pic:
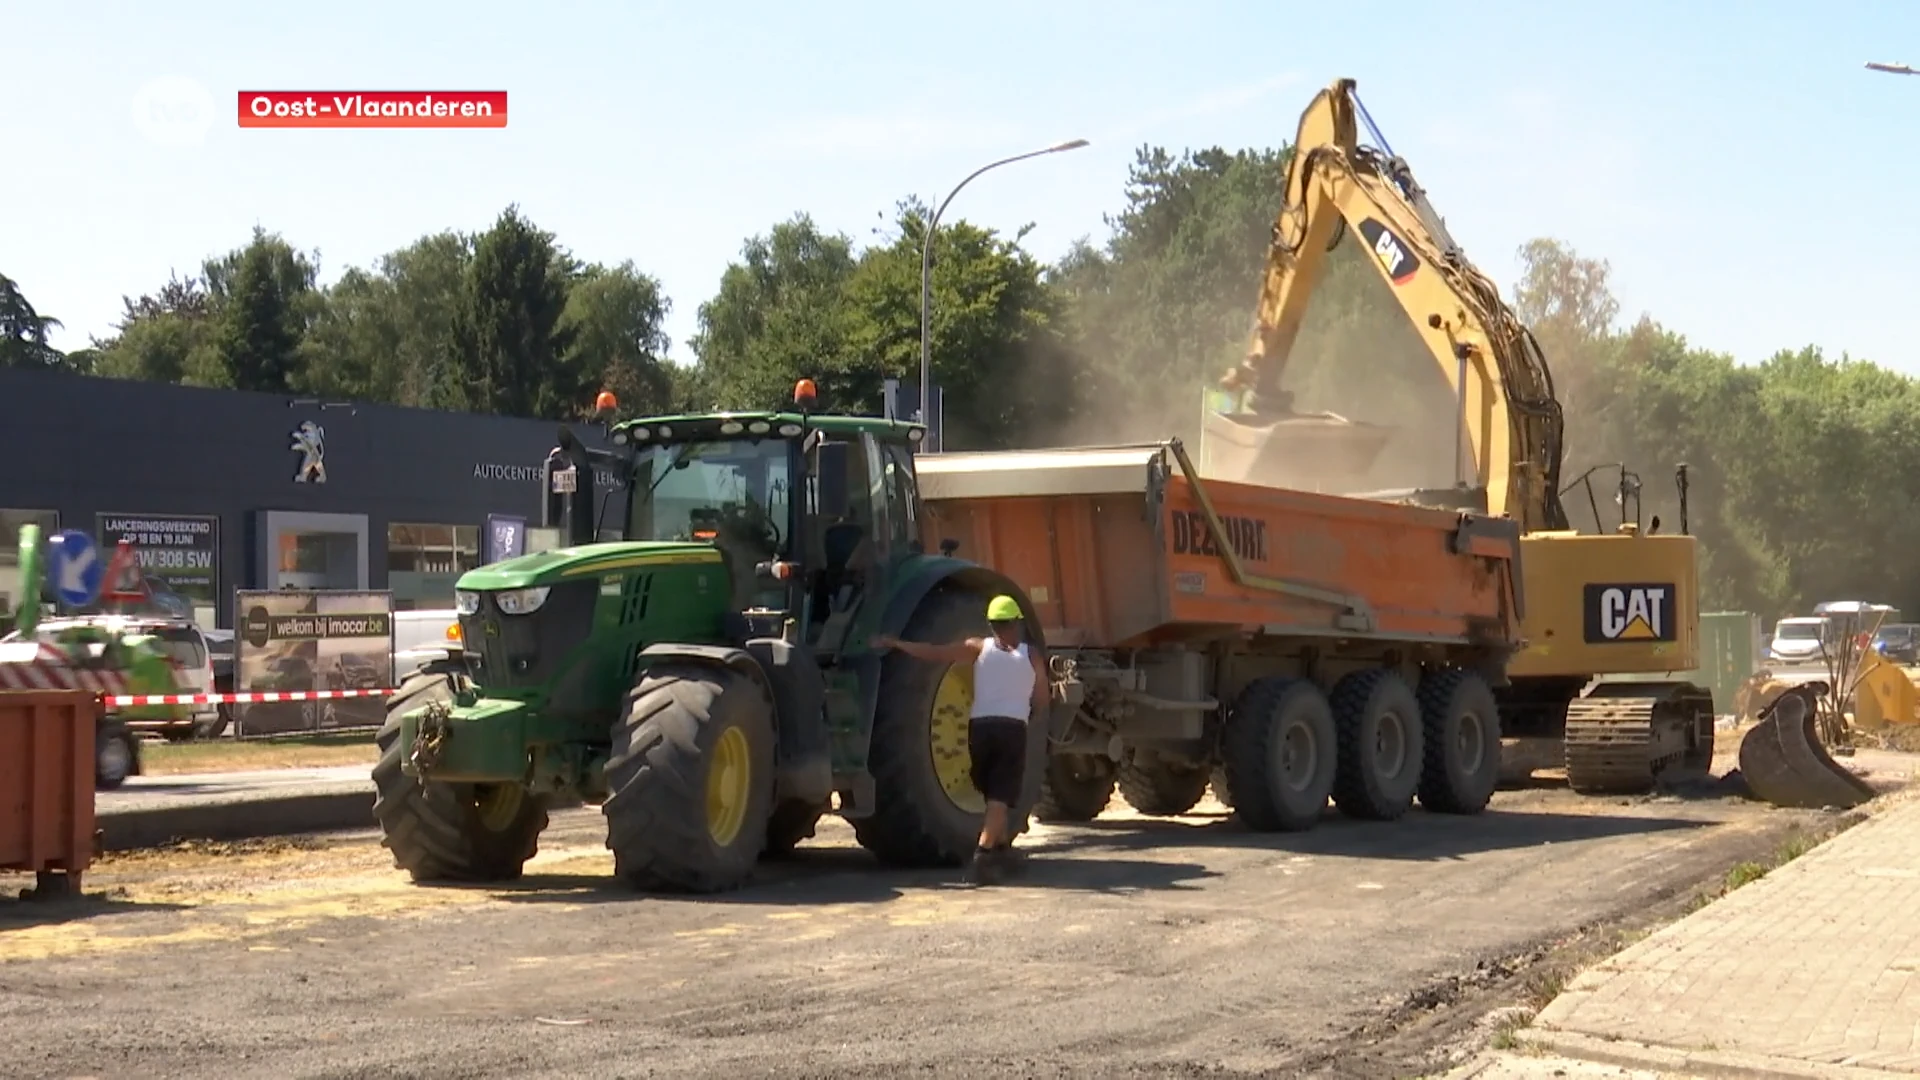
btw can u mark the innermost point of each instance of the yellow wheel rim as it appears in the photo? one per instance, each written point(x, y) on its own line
point(729, 783)
point(499, 805)
point(952, 763)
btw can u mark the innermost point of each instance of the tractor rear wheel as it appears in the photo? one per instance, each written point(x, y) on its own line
point(1382, 745)
point(1162, 788)
point(690, 779)
point(443, 831)
point(926, 810)
point(1075, 787)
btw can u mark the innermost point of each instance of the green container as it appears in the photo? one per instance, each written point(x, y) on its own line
point(1730, 652)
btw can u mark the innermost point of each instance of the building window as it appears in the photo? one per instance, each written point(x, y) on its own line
point(10, 522)
point(423, 562)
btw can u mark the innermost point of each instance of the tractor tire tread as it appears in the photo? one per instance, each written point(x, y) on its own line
point(657, 781)
point(424, 825)
point(1356, 790)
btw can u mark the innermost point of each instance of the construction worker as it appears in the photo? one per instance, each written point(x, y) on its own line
point(1010, 690)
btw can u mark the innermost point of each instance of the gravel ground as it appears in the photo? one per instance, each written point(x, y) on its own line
point(1131, 947)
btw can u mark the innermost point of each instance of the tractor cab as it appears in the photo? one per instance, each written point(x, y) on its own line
point(809, 514)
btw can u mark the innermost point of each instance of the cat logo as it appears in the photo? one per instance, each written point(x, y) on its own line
point(1395, 258)
point(1629, 614)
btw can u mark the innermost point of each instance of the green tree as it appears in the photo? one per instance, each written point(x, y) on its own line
point(780, 313)
point(615, 317)
point(23, 331)
point(159, 334)
point(265, 300)
point(508, 350)
point(382, 332)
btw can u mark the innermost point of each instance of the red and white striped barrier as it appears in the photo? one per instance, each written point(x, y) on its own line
point(240, 699)
point(31, 665)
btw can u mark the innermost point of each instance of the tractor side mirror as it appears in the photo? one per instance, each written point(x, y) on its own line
point(830, 471)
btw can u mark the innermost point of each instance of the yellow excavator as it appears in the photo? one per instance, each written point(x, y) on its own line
point(1608, 616)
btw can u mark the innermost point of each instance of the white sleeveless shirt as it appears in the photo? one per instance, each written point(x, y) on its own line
point(1003, 681)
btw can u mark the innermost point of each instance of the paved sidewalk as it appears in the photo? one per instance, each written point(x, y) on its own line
point(1809, 971)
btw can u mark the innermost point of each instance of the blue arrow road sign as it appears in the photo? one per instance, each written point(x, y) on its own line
point(76, 568)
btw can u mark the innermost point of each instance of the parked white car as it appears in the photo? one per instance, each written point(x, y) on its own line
point(421, 637)
point(1798, 640)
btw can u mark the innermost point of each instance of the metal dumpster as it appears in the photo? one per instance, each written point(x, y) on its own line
point(46, 786)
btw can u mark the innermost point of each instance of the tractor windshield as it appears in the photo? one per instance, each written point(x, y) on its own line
point(733, 493)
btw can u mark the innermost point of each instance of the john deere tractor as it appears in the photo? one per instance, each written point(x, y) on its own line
point(694, 659)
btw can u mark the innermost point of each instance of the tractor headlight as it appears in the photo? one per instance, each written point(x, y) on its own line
point(466, 601)
point(521, 601)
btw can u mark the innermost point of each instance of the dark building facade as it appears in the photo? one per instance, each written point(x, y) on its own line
point(222, 490)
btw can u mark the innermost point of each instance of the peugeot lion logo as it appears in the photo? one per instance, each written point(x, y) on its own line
point(310, 442)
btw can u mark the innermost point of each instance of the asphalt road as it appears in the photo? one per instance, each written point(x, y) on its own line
point(161, 792)
point(1131, 947)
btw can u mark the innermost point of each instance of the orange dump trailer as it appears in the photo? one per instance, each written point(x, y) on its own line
point(1287, 647)
point(46, 785)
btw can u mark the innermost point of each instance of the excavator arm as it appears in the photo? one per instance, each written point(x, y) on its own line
point(1509, 417)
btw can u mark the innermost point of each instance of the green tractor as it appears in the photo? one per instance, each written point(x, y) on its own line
point(694, 660)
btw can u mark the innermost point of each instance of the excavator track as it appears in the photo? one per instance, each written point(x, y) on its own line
point(1623, 738)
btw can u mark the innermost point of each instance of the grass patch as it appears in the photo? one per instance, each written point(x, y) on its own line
point(239, 755)
point(1795, 844)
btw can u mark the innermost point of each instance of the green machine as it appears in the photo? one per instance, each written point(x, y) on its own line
point(693, 659)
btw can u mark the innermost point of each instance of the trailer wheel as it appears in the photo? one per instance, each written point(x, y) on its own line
point(1382, 745)
point(1463, 742)
point(442, 831)
point(1161, 788)
point(116, 755)
point(690, 779)
point(1278, 754)
point(926, 810)
point(1075, 787)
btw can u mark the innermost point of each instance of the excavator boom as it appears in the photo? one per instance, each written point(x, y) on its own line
point(1509, 416)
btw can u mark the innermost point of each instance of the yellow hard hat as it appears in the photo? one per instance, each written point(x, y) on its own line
point(1003, 609)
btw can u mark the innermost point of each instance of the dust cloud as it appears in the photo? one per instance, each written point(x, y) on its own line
point(1378, 412)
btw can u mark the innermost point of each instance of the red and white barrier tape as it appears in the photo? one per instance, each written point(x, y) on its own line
point(239, 699)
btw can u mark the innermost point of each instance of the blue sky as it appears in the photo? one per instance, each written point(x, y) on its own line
point(1748, 180)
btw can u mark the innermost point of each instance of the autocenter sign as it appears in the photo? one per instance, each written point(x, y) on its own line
point(532, 474)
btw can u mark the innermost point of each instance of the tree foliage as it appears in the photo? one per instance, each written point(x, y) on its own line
point(1804, 470)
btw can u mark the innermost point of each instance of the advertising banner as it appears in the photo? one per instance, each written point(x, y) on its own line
point(299, 640)
point(506, 537)
point(181, 551)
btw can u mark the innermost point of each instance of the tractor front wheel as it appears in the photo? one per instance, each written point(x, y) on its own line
point(441, 831)
point(690, 780)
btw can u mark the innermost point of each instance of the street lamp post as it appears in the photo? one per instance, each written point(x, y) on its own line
point(926, 277)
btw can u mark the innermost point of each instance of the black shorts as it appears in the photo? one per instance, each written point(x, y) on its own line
point(998, 746)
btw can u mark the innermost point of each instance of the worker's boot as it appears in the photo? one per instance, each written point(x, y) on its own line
point(987, 867)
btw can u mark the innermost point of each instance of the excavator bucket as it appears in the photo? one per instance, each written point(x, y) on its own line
point(1784, 762)
point(1307, 451)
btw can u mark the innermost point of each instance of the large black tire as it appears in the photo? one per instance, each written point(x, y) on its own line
point(686, 728)
point(1161, 788)
point(1074, 788)
point(790, 823)
point(1462, 720)
point(1382, 745)
point(1278, 754)
point(443, 831)
point(116, 755)
point(915, 823)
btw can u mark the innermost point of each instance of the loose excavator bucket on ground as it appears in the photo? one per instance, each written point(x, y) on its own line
point(1785, 763)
